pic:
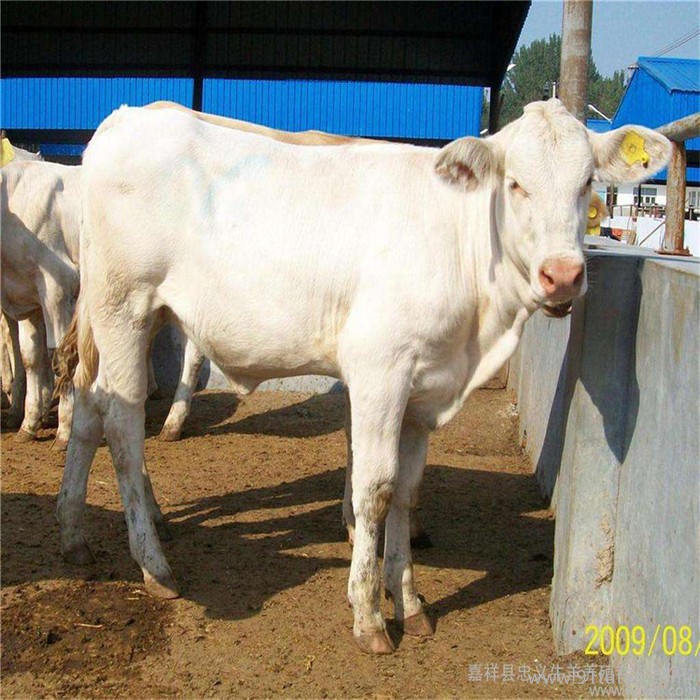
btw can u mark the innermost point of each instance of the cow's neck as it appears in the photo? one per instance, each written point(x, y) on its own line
point(501, 303)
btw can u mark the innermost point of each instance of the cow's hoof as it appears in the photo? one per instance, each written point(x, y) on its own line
point(165, 533)
point(418, 625)
point(24, 436)
point(156, 395)
point(375, 643)
point(421, 541)
point(78, 554)
point(165, 587)
point(60, 445)
point(169, 434)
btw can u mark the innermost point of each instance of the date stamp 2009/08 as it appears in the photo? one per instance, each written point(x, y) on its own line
point(636, 640)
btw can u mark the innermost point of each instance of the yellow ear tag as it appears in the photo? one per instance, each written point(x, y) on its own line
point(632, 149)
point(8, 153)
point(592, 212)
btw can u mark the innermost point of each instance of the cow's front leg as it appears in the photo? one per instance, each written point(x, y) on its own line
point(376, 425)
point(398, 567)
point(18, 389)
point(420, 539)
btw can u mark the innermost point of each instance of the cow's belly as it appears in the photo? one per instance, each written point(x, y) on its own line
point(257, 335)
point(20, 297)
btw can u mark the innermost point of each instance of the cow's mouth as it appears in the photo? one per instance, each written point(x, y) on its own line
point(558, 310)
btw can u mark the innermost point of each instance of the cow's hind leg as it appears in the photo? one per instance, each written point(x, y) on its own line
point(83, 441)
point(398, 567)
point(65, 420)
point(86, 433)
point(191, 366)
point(348, 515)
point(123, 369)
point(162, 527)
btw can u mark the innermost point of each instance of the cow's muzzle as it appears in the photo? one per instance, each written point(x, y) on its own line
point(561, 278)
point(558, 310)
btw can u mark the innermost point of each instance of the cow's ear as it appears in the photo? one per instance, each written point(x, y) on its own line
point(468, 162)
point(629, 154)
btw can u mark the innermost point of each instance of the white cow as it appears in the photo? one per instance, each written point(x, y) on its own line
point(408, 272)
point(40, 211)
point(13, 378)
point(193, 358)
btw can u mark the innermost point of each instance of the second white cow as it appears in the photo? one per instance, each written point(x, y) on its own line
point(40, 213)
point(407, 272)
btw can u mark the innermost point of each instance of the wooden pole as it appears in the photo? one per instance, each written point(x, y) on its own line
point(575, 48)
point(682, 129)
point(678, 131)
point(675, 203)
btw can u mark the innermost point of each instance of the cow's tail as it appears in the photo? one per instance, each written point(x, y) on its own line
point(77, 360)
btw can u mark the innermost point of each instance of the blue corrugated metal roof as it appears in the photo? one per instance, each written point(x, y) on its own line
point(675, 74)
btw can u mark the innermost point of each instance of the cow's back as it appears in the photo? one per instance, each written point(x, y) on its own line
point(269, 247)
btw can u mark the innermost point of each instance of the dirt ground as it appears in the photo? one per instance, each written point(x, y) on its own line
point(253, 494)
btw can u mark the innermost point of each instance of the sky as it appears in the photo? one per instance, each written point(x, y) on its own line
point(623, 30)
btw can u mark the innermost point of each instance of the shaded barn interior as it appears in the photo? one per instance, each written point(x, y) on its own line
point(383, 59)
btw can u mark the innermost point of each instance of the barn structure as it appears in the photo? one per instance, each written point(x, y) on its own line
point(661, 91)
point(410, 71)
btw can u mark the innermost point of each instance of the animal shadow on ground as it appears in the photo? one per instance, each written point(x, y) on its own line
point(232, 553)
point(320, 414)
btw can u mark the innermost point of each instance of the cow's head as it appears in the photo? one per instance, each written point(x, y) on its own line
point(540, 168)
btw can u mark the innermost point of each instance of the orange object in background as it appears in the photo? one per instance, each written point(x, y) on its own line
point(597, 211)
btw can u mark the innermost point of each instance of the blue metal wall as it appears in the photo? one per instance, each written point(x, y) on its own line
point(402, 110)
point(81, 103)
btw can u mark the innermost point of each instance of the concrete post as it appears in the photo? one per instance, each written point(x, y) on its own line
point(575, 48)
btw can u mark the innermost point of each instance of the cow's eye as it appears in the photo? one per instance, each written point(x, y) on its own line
point(515, 187)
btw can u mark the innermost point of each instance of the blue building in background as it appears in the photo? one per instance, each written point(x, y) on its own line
point(663, 90)
point(416, 112)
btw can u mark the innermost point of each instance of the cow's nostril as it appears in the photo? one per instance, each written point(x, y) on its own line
point(561, 278)
point(546, 280)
